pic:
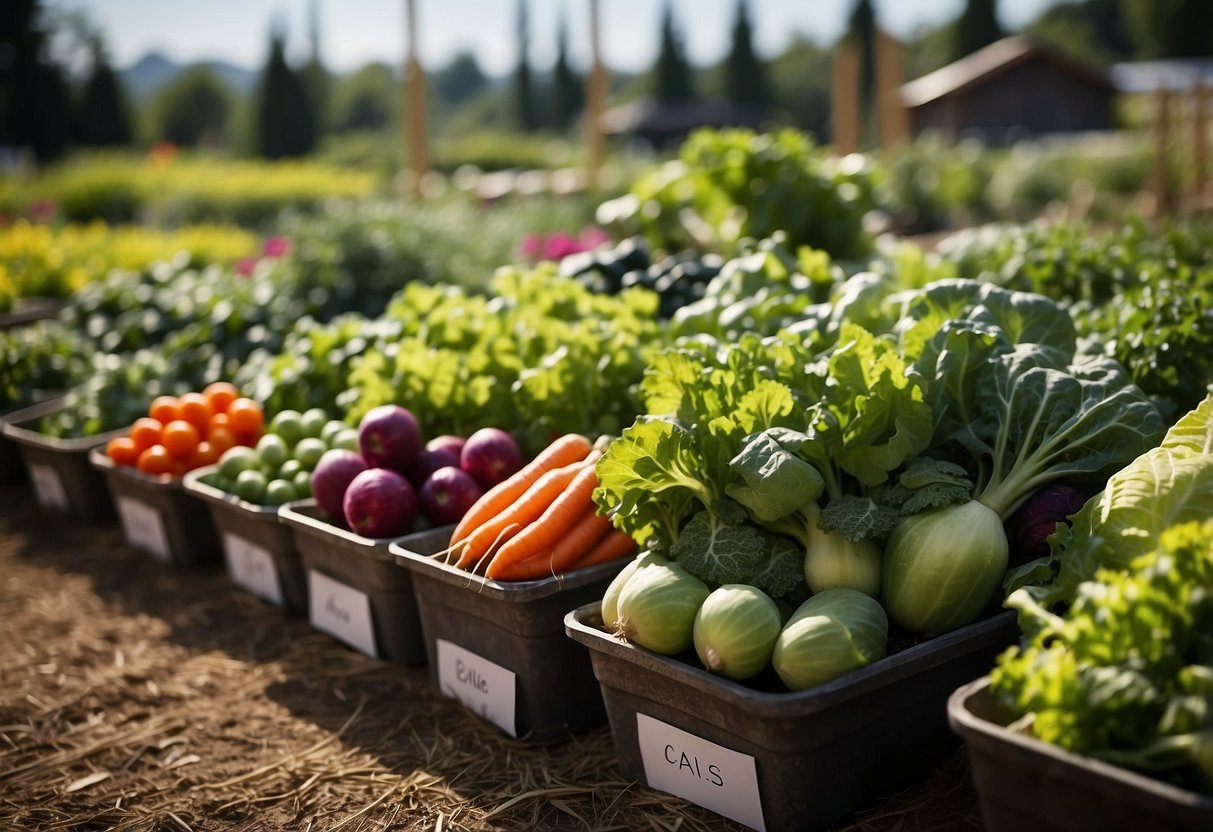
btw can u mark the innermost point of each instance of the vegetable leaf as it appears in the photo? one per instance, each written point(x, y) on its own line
point(723, 552)
point(857, 518)
point(776, 481)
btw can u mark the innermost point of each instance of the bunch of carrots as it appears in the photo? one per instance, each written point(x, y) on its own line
point(541, 521)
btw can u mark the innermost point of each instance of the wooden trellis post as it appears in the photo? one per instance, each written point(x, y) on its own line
point(845, 98)
point(894, 119)
point(596, 95)
point(1201, 95)
point(414, 111)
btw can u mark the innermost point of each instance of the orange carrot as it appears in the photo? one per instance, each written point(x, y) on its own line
point(615, 544)
point(564, 451)
point(551, 526)
point(587, 531)
point(516, 516)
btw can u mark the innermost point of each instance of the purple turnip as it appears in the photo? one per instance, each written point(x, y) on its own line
point(332, 476)
point(447, 442)
point(447, 495)
point(428, 462)
point(389, 437)
point(380, 503)
point(490, 456)
point(1028, 529)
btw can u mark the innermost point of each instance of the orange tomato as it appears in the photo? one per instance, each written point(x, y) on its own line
point(220, 395)
point(146, 432)
point(196, 410)
point(220, 439)
point(122, 450)
point(204, 454)
point(155, 460)
point(246, 418)
point(180, 438)
point(219, 420)
point(165, 409)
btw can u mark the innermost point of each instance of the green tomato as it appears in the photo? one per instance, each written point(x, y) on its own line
point(314, 422)
point(251, 486)
point(272, 450)
point(222, 483)
point(309, 451)
point(279, 491)
point(303, 484)
point(346, 438)
point(289, 425)
point(235, 460)
point(330, 430)
point(289, 469)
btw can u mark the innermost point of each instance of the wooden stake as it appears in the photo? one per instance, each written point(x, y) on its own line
point(596, 95)
point(1201, 95)
point(1162, 139)
point(414, 111)
point(844, 98)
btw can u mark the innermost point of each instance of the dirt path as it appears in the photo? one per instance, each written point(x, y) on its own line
point(135, 696)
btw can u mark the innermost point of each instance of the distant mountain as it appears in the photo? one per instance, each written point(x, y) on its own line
point(154, 70)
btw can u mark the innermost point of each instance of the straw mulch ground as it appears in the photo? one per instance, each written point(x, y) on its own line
point(133, 696)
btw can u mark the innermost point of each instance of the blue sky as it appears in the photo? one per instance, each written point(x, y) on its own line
point(355, 32)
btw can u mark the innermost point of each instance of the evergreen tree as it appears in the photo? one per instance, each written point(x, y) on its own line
point(671, 76)
point(34, 96)
point(976, 27)
point(459, 80)
point(745, 78)
point(1171, 28)
point(102, 115)
point(567, 88)
point(522, 75)
point(861, 29)
point(193, 109)
point(283, 121)
point(315, 77)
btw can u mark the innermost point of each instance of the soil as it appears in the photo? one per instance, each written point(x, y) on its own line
point(136, 696)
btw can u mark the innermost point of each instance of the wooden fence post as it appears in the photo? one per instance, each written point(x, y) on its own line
point(1160, 180)
point(890, 75)
point(1201, 93)
point(414, 112)
point(845, 98)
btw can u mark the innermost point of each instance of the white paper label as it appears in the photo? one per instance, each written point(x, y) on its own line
point(484, 687)
point(341, 611)
point(252, 568)
point(143, 527)
point(702, 772)
point(48, 488)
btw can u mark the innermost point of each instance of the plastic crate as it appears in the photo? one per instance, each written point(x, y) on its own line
point(1024, 783)
point(776, 760)
point(357, 592)
point(157, 515)
point(64, 481)
point(500, 647)
point(258, 548)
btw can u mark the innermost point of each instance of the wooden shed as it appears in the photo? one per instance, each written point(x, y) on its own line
point(1012, 88)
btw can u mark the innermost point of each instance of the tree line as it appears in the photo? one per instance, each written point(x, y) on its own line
point(293, 106)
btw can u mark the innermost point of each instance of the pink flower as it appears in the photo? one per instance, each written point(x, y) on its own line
point(245, 265)
point(530, 246)
point(592, 236)
point(276, 246)
point(560, 245)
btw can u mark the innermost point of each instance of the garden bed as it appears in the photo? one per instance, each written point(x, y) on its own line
point(138, 697)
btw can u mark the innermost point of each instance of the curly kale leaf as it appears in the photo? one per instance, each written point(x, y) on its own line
point(722, 552)
point(857, 518)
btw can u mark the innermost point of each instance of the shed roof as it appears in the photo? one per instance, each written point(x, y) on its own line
point(990, 61)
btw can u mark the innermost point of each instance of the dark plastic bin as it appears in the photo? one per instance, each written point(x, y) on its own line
point(512, 628)
point(360, 566)
point(1024, 783)
point(258, 548)
point(12, 471)
point(157, 516)
point(64, 481)
point(813, 757)
point(28, 311)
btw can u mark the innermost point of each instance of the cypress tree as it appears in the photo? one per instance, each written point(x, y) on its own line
point(745, 80)
point(34, 97)
point(284, 124)
point(315, 77)
point(976, 27)
point(671, 76)
point(862, 29)
point(522, 75)
point(567, 87)
point(102, 114)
